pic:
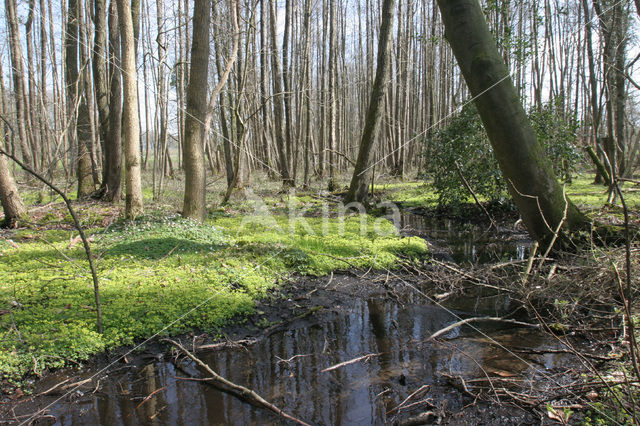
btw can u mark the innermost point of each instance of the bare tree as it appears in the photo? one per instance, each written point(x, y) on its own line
point(130, 120)
point(362, 171)
point(194, 167)
point(18, 80)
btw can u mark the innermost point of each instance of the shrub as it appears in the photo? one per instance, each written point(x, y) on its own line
point(464, 143)
point(558, 136)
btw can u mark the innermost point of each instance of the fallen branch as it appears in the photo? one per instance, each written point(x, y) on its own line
point(351, 361)
point(226, 344)
point(241, 392)
point(475, 319)
point(562, 351)
point(407, 399)
point(148, 397)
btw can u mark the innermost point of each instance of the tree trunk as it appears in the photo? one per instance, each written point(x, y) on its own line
point(130, 121)
point(530, 178)
point(112, 165)
point(194, 166)
point(99, 66)
point(77, 107)
point(9, 197)
point(332, 95)
point(278, 99)
point(18, 80)
point(360, 179)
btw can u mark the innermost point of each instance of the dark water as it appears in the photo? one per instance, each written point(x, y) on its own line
point(360, 393)
point(466, 243)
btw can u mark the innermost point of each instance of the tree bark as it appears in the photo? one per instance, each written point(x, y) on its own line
point(12, 204)
point(278, 99)
point(77, 107)
point(332, 97)
point(112, 165)
point(194, 166)
point(529, 175)
point(18, 79)
point(360, 179)
point(99, 66)
point(130, 120)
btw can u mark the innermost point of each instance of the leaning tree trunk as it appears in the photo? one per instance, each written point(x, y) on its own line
point(194, 167)
point(530, 178)
point(130, 121)
point(360, 179)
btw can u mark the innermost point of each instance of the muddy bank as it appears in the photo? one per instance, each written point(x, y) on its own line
point(307, 327)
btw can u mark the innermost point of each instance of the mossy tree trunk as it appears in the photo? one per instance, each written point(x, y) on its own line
point(194, 166)
point(529, 175)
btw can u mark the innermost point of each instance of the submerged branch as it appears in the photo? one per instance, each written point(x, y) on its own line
point(475, 319)
point(241, 392)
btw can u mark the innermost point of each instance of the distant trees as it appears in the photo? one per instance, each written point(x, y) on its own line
point(293, 83)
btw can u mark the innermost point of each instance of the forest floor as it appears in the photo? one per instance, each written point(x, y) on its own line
point(154, 271)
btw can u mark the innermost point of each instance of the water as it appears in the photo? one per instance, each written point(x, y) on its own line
point(286, 369)
point(466, 243)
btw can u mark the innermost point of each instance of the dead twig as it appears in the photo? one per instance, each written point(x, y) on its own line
point(407, 399)
point(476, 319)
point(148, 397)
point(241, 392)
point(351, 361)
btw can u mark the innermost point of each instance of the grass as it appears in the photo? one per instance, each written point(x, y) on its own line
point(154, 271)
point(591, 198)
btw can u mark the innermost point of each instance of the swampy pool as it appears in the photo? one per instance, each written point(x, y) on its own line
point(288, 367)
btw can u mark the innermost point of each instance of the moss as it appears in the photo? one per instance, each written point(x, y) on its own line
point(590, 197)
point(155, 271)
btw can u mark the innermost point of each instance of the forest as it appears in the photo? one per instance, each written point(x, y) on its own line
point(320, 212)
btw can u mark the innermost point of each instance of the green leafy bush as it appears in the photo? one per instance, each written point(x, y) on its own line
point(463, 142)
point(463, 148)
point(558, 136)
